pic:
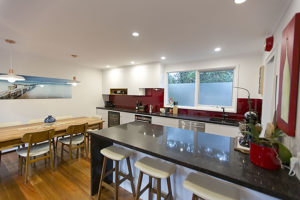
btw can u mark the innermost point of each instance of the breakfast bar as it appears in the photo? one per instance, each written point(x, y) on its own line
point(210, 154)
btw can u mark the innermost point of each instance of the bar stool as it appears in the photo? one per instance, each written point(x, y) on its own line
point(205, 187)
point(157, 169)
point(116, 154)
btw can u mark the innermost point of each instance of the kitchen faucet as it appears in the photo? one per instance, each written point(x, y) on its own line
point(224, 115)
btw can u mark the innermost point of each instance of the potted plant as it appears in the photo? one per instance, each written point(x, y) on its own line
point(267, 152)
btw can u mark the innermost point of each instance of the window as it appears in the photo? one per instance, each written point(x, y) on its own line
point(181, 87)
point(203, 89)
point(215, 88)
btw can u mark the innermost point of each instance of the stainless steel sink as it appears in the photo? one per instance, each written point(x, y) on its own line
point(224, 121)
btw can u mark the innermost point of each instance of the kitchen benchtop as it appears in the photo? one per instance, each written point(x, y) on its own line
point(179, 116)
point(206, 153)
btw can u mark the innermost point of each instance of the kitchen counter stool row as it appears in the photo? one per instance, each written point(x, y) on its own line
point(201, 186)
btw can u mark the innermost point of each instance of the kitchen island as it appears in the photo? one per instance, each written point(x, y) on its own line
point(210, 154)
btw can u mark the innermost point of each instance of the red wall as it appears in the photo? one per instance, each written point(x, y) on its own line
point(156, 99)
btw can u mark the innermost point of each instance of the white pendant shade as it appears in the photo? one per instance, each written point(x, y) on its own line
point(73, 82)
point(11, 77)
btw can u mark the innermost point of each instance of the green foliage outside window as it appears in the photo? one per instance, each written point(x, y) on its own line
point(181, 77)
point(205, 77)
point(216, 76)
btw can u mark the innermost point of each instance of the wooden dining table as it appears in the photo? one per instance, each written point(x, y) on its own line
point(11, 136)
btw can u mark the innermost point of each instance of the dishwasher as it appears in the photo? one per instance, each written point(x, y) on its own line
point(192, 125)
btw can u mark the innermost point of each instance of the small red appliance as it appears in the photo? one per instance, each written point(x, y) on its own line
point(269, 43)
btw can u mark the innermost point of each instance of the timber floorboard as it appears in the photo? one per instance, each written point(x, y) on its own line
point(70, 180)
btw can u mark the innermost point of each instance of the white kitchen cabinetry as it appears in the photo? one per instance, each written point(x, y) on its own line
point(126, 117)
point(104, 114)
point(164, 121)
point(231, 131)
point(134, 78)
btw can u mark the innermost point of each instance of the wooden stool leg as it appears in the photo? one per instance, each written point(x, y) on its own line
point(54, 150)
point(51, 160)
point(45, 160)
point(34, 164)
point(130, 176)
point(102, 177)
point(117, 180)
point(70, 152)
point(169, 188)
point(139, 186)
point(150, 188)
point(88, 142)
point(85, 149)
point(62, 151)
point(26, 169)
point(158, 190)
point(21, 165)
point(195, 197)
point(77, 151)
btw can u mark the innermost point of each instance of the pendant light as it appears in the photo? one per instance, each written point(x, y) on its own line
point(11, 76)
point(74, 82)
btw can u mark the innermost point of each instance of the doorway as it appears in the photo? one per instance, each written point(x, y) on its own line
point(269, 94)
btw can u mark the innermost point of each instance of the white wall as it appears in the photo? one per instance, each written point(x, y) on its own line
point(85, 97)
point(248, 65)
point(292, 142)
point(133, 77)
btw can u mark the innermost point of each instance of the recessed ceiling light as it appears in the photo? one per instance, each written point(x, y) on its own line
point(239, 1)
point(218, 49)
point(135, 34)
point(107, 66)
point(163, 58)
point(132, 62)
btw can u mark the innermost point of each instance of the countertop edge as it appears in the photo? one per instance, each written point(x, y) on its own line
point(202, 170)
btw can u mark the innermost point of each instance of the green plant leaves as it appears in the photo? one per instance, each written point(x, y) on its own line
point(284, 154)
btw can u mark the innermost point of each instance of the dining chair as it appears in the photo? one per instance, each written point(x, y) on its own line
point(32, 153)
point(62, 135)
point(33, 121)
point(8, 124)
point(88, 136)
point(76, 140)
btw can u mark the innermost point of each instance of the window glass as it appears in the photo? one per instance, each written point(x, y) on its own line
point(181, 87)
point(216, 88)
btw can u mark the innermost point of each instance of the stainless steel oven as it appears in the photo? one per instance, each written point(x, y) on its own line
point(143, 118)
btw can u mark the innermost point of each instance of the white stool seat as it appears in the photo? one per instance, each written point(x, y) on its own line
point(210, 188)
point(155, 168)
point(35, 150)
point(115, 153)
point(77, 139)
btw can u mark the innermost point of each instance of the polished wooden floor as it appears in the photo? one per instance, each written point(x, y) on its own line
point(70, 180)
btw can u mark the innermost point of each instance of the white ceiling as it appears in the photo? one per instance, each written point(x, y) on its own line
point(99, 31)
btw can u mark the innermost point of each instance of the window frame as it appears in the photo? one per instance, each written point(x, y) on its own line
point(230, 109)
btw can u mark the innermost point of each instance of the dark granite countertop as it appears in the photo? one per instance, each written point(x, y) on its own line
point(179, 116)
point(207, 153)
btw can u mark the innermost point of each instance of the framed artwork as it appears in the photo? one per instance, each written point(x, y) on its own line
point(35, 88)
point(289, 77)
